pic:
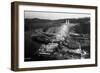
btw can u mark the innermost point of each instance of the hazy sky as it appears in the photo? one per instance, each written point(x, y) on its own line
point(53, 15)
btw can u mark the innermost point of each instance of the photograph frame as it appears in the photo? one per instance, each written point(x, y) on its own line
point(15, 33)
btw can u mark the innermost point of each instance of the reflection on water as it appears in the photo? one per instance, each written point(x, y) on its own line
point(57, 39)
point(63, 46)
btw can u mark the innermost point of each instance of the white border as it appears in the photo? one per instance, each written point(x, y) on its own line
point(23, 64)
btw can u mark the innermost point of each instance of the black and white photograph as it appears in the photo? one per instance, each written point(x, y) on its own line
point(53, 36)
point(56, 36)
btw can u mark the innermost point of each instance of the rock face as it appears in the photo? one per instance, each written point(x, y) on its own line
point(57, 42)
point(62, 50)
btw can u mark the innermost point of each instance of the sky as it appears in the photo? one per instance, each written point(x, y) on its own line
point(53, 15)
